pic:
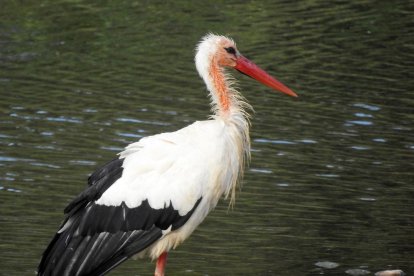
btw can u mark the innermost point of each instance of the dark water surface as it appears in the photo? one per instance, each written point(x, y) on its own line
point(331, 178)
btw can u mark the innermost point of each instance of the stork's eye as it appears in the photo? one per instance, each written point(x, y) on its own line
point(230, 50)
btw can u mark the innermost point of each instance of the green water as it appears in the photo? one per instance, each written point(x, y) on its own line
point(332, 172)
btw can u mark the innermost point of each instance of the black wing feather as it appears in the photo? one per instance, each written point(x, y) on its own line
point(98, 183)
point(94, 238)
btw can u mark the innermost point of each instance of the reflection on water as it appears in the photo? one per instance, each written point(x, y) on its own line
point(329, 189)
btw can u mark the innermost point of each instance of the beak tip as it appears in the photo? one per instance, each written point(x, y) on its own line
point(289, 92)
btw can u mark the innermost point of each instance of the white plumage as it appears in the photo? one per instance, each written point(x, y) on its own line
point(200, 160)
point(163, 186)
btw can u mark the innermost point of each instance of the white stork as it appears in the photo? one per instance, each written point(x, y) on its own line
point(152, 197)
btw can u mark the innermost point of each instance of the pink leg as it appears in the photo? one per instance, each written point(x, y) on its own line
point(161, 262)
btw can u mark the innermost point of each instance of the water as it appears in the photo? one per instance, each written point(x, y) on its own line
point(329, 189)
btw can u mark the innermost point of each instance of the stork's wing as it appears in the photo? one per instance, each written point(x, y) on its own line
point(98, 234)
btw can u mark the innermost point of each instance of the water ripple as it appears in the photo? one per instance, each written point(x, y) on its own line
point(360, 122)
point(64, 119)
point(278, 142)
point(132, 120)
point(367, 106)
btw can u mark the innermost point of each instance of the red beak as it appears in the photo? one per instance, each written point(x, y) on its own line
point(247, 67)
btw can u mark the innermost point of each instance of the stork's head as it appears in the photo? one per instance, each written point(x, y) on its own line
point(223, 51)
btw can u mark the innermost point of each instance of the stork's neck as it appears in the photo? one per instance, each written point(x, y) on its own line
point(220, 87)
point(227, 105)
point(225, 100)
